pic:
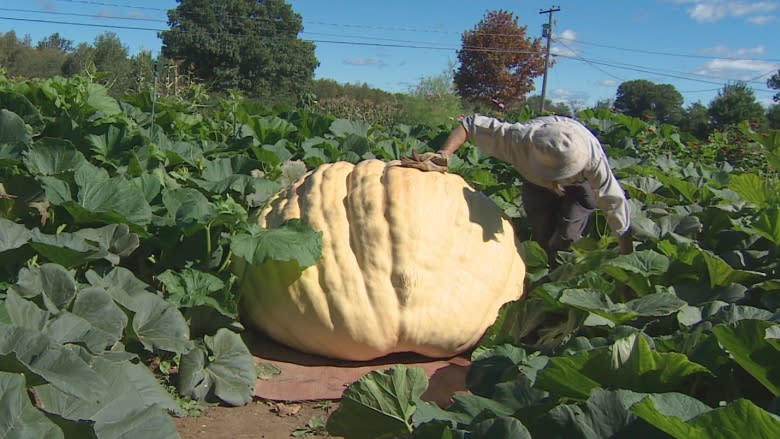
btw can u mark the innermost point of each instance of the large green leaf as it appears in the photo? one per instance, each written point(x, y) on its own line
point(379, 404)
point(637, 268)
point(12, 129)
point(767, 224)
point(106, 318)
point(19, 419)
point(344, 127)
point(755, 189)
point(116, 239)
point(629, 364)
point(112, 200)
point(501, 427)
point(229, 372)
point(53, 157)
point(66, 249)
point(747, 343)
point(19, 104)
point(156, 323)
point(98, 100)
point(113, 145)
point(190, 288)
point(188, 207)
point(652, 305)
point(293, 240)
point(605, 414)
point(57, 285)
point(41, 359)
point(740, 419)
point(722, 274)
point(26, 313)
point(134, 394)
point(12, 235)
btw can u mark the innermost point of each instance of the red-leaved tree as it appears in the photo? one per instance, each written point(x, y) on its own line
point(498, 63)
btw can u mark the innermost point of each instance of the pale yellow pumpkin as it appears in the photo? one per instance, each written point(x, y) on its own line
point(412, 261)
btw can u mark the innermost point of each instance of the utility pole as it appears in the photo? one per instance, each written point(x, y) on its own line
point(547, 33)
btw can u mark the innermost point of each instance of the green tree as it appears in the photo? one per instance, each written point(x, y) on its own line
point(498, 63)
point(109, 58)
point(774, 83)
point(558, 108)
point(647, 100)
point(735, 103)
point(773, 116)
point(57, 42)
point(81, 59)
point(19, 58)
point(250, 45)
point(605, 104)
point(433, 101)
point(696, 121)
point(13, 52)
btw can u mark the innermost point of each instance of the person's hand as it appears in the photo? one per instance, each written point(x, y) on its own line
point(429, 161)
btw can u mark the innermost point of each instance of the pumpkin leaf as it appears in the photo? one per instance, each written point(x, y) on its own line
point(19, 418)
point(293, 240)
point(380, 403)
point(741, 418)
point(746, 341)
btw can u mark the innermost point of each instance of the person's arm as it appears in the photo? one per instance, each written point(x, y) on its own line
point(610, 198)
point(455, 140)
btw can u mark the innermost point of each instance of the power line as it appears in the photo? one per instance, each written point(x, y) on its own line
point(353, 25)
point(644, 70)
point(591, 64)
point(69, 23)
point(419, 45)
point(113, 5)
point(653, 52)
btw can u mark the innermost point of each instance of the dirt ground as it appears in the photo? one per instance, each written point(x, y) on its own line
point(259, 419)
point(315, 384)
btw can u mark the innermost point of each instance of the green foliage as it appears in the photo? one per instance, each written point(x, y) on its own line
point(649, 101)
point(696, 121)
point(774, 83)
point(735, 103)
point(242, 44)
point(773, 117)
point(380, 404)
point(433, 101)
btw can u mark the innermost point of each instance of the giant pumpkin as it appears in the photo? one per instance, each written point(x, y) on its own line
point(412, 261)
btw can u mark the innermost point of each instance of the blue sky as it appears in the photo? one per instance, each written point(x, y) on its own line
point(695, 45)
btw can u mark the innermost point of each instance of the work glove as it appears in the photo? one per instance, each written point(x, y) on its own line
point(429, 161)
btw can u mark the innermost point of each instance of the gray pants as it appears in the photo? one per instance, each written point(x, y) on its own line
point(557, 221)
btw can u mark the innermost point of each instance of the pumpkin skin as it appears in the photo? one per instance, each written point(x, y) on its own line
point(412, 261)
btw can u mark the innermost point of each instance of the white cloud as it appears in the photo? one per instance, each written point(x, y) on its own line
point(609, 83)
point(565, 94)
point(756, 12)
point(740, 69)
point(761, 19)
point(568, 35)
point(725, 51)
point(564, 51)
point(563, 46)
point(371, 62)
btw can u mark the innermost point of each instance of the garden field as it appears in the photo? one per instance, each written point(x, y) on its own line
point(119, 219)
